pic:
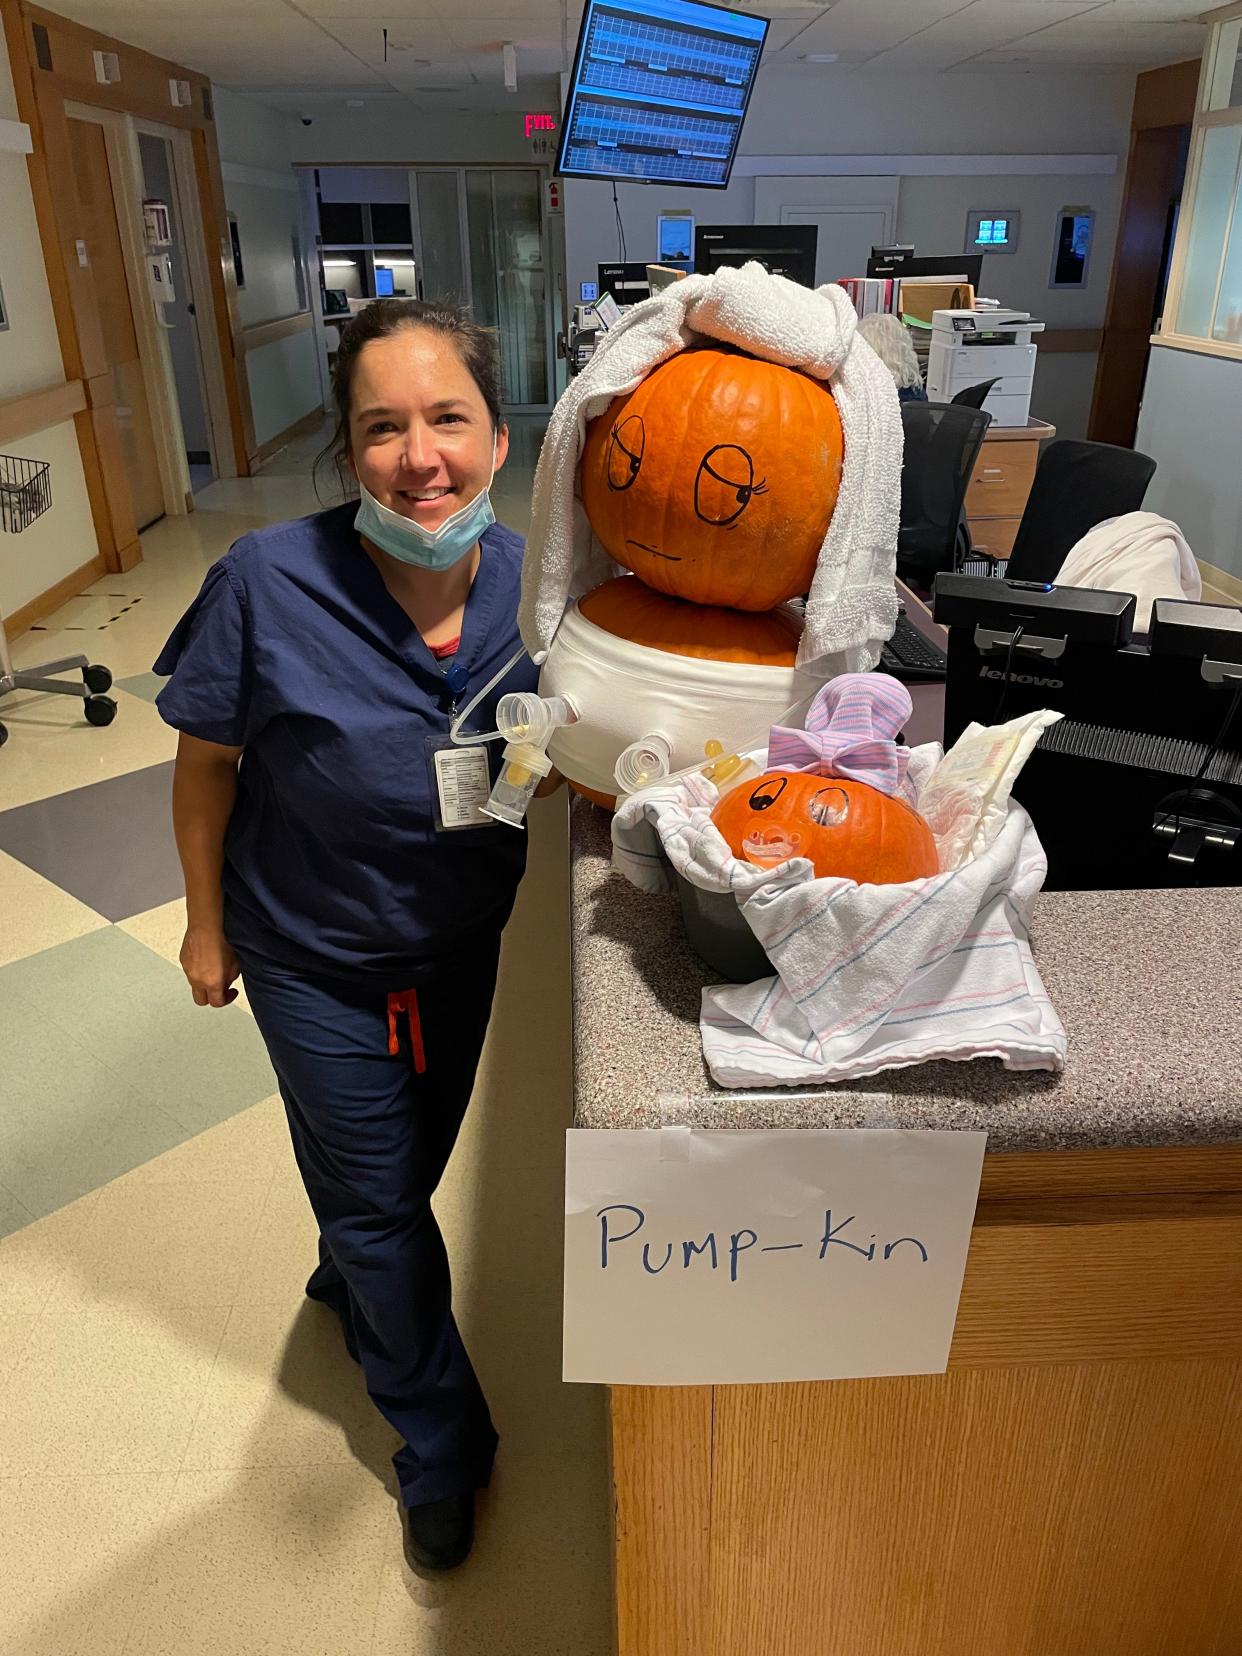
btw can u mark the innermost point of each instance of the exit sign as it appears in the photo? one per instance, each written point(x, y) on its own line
point(538, 123)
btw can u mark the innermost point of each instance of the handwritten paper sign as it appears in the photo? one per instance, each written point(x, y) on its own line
point(698, 1257)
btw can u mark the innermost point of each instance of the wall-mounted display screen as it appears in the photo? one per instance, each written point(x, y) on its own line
point(659, 91)
point(992, 230)
point(675, 238)
point(1071, 250)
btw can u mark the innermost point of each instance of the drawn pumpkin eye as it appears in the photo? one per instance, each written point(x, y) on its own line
point(625, 452)
point(725, 485)
point(768, 792)
point(830, 807)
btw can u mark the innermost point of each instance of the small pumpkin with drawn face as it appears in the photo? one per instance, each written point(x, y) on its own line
point(847, 829)
point(715, 479)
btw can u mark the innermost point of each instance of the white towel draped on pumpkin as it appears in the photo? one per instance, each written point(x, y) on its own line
point(852, 606)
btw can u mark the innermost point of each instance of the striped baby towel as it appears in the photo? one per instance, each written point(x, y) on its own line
point(867, 978)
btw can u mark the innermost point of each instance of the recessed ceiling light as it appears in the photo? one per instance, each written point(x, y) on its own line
point(819, 57)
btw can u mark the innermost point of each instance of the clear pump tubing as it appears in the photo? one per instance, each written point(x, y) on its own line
point(455, 735)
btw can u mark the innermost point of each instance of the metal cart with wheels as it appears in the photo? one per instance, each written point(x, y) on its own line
point(25, 494)
point(100, 709)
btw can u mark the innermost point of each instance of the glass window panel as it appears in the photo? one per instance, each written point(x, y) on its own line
point(344, 272)
point(484, 258)
point(439, 229)
point(1227, 323)
point(520, 284)
point(390, 221)
point(1225, 86)
point(1210, 212)
point(340, 222)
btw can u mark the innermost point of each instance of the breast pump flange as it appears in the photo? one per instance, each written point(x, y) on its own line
point(526, 722)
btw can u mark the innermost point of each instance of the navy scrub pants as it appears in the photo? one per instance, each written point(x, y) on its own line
point(372, 1137)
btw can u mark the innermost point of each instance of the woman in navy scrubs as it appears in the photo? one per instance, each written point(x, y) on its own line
point(313, 681)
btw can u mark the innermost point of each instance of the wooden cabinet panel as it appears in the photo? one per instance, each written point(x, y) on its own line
point(1068, 1510)
point(993, 537)
point(1002, 479)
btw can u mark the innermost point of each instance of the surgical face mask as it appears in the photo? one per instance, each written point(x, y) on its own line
point(411, 543)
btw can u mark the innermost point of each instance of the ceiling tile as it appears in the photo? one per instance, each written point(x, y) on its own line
point(297, 49)
point(470, 33)
point(395, 12)
point(862, 26)
point(547, 12)
point(1154, 11)
point(128, 18)
point(1114, 28)
point(410, 37)
point(981, 27)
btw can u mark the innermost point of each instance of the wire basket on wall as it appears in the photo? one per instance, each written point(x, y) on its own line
point(25, 492)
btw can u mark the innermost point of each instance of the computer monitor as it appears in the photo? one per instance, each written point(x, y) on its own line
point(628, 283)
point(969, 266)
point(659, 91)
point(784, 249)
point(383, 282)
point(1140, 783)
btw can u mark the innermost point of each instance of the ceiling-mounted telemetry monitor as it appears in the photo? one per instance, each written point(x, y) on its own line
point(659, 92)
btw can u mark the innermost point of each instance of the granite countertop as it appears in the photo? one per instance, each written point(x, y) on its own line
point(1144, 981)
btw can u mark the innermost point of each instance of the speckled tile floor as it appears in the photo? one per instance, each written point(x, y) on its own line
point(188, 1461)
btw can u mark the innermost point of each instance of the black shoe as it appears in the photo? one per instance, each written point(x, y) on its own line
point(440, 1534)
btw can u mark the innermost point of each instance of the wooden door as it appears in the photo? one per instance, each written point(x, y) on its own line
point(97, 215)
point(1153, 184)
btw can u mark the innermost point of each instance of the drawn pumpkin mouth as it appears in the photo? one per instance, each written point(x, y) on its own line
point(654, 550)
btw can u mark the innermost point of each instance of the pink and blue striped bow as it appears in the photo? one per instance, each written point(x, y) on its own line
point(849, 732)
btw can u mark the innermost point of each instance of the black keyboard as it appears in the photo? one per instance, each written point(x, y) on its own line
point(910, 656)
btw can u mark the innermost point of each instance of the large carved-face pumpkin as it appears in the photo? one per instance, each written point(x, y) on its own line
point(715, 479)
point(846, 828)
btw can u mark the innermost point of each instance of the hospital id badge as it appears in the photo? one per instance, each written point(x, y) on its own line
point(463, 784)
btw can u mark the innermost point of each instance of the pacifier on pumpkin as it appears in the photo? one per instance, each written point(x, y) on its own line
point(769, 847)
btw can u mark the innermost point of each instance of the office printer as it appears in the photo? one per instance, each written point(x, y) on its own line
point(1140, 785)
point(970, 346)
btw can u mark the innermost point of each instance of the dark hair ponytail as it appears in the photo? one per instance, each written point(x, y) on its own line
point(474, 344)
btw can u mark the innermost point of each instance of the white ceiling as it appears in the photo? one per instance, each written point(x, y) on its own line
point(298, 54)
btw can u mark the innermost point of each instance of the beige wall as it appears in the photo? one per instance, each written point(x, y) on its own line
point(64, 538)
point(262, 191)
point(841, 111)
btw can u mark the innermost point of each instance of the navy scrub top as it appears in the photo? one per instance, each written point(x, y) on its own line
point(296, 651)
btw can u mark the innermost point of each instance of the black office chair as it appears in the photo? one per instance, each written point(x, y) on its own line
point(1077, 485)
point(942, 442)
point(974, 396)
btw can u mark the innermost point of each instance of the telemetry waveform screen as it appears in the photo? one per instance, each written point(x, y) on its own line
point(659, 91)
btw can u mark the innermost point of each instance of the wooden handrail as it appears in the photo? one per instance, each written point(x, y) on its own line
point(37, 410)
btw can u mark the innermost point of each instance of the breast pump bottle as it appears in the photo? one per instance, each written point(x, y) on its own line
point(526, 722)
